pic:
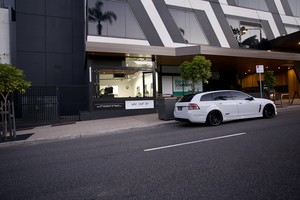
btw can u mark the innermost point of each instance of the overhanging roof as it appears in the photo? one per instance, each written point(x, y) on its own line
point(288, 43)
point(97, 47)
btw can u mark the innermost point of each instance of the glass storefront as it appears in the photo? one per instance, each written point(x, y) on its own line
point(125, 83)
point(129, 86)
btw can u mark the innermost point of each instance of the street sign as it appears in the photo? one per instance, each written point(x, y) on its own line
point(259, 69)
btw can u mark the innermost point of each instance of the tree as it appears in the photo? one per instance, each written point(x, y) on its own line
point(196, 70)
point(270, 80)
point(11, 80)
point(96, 15)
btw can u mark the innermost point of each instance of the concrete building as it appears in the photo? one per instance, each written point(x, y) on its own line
point(106, 58)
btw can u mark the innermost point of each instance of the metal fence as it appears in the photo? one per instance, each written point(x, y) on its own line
point(50, 104)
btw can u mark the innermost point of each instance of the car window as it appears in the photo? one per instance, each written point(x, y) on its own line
point(207, 97)
point(239, 96)
point(186, 98)
point(222, 96)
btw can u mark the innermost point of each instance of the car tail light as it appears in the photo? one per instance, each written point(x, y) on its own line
point(193, 106)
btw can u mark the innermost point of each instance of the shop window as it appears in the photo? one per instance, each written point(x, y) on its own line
point(189, 26)
point(112, 18)
point(124, 83)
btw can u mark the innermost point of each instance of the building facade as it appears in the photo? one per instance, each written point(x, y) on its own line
point(117, 57)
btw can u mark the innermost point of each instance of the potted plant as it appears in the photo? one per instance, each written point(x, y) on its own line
point(270, 82)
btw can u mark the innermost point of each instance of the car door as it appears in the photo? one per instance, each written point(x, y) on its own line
point(247, 106)
point(225, 104)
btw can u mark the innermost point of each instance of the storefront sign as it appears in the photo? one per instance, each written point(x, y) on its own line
point(182, 87)
point(99, 106)
point(146, 104)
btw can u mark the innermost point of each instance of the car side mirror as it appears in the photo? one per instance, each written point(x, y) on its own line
point(250, 98)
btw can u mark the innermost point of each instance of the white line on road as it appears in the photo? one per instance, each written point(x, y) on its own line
point(193, 142)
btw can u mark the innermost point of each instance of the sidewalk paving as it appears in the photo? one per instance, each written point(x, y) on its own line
point(86, 128)
point(98, 127)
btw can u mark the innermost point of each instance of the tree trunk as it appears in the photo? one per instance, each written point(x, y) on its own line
point(193, 87)
point(99, 27)
point(4, 119)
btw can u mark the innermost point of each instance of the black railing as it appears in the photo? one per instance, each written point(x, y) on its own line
point(50, 104)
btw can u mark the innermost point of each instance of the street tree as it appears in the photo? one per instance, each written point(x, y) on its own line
point(11, 80)
point(196, 70)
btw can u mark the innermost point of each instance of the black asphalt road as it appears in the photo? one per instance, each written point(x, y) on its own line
point(249, 159)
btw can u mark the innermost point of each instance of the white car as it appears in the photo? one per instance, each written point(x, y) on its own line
point(215, 107)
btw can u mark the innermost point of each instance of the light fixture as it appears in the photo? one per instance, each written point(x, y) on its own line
point(143, 62)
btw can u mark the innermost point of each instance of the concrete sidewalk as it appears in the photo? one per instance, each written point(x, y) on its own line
point(98, 127)
point(86, 128)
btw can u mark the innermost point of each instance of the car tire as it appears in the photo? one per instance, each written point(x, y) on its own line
point(214, 118)
point(269, 111)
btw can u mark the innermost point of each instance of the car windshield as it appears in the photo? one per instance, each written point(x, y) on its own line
point(186, 98)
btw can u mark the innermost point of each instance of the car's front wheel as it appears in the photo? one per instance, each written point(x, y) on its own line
point(269, 111)
point(214, 118)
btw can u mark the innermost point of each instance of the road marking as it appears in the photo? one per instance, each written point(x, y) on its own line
point(193, 142)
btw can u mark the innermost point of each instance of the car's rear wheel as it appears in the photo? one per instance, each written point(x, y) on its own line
point(214, 118)
point(269, 111)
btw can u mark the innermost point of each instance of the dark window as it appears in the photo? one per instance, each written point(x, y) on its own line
point(239, 96)
point(207, 97)
point(221, 96)
point(187, 98)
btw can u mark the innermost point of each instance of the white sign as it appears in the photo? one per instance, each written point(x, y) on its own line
point(131, 105)
point(259, 69)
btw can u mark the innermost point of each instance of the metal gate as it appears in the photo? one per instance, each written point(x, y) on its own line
point(50, 104)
